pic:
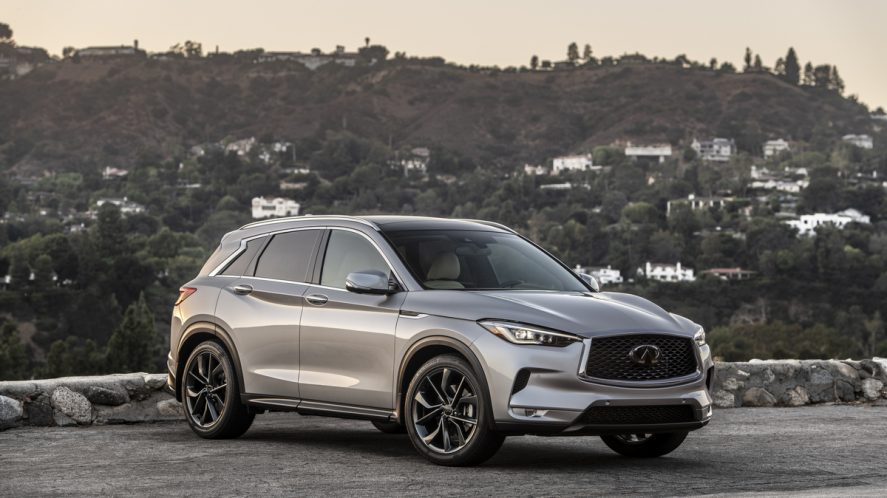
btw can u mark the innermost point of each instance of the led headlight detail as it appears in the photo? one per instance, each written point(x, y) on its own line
point(699, 337)
point(517, 333)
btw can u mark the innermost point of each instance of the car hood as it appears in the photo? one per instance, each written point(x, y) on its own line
point(584, 314)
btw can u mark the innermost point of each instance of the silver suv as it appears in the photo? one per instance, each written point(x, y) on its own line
point(458, 332)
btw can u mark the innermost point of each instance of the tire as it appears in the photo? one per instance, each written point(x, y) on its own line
point(645, 445)
point(462, 437)
point(389, 427)
point(216, 394)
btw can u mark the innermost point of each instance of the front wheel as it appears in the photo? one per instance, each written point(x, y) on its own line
point(446, 414)
point(644, 445)
point(211, 396)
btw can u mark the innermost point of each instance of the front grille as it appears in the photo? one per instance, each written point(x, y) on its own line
point(637, 415)
point(609, 358)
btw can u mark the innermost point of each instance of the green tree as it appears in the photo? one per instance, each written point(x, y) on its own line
point(5, 32)
point(133, 346)
point(792, 67)
point(573, 53)
point(111, 231)
point(43, 271)
point(747, 59)
point(13, 357)
point(586, 53)
point(759, 66)
point(808, 74)
point(713, 64)
point(534, 62)
point(835, 81)
point(373, 53)
point(20, 272)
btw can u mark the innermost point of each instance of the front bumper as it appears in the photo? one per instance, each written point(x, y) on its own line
point(550, 396)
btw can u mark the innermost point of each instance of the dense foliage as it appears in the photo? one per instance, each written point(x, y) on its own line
point(89, 288)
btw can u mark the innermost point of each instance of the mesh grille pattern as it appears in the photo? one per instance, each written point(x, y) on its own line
point(609, 358)
point(628, 415)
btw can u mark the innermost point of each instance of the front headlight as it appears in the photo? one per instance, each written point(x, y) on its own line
point(699, 337)
point(517, 333)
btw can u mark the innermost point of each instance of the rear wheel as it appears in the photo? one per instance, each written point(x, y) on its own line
point(211, 396)
point(446, 414)
point(644, 445)
point(389, 427)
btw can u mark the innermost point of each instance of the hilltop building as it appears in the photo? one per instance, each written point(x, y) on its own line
point(581, 162)
point(697, 203)
point(716, 149)
point(314, 59)
point(659, 152)
point(667, 272)
point(807, 224)
point(125, 205)
point(729, 273)
point(109, 173)
point(110, 51)
point(605, 276)
point(774, 147)
point(861, 141)
point(535, 170)
point(271, 208)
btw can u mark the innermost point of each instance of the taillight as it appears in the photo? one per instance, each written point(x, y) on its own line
point(184, 292)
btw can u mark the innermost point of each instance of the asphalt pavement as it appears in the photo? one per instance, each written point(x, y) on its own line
point(824, 450)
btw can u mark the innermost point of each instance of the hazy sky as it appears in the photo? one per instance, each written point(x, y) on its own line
point(852, 35)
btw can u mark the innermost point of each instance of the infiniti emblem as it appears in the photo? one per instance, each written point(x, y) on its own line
point(645, 354)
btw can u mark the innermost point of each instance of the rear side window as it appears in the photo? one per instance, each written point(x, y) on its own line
point(240, 263)
point(287, 255)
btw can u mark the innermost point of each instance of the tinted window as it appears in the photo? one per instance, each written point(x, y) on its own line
point(467, 259)
point(349, 252)
point(287, 256)
point(240, 263)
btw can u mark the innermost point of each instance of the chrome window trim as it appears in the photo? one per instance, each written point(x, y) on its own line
point(244, 241)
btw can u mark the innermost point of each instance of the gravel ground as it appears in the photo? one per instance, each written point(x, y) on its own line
point(825, 450)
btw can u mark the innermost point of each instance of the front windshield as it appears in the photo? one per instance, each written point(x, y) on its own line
point(479, 260)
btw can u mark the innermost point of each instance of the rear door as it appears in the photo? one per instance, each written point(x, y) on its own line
point(262, 309)
point(347, 339)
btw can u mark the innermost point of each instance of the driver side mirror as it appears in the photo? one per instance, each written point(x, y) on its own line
point(591, 281)
point(369, 282)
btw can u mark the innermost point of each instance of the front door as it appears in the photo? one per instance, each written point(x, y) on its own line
point(346, 344)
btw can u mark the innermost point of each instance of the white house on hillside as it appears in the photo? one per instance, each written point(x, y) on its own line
point(667, 272)
point(696, 203)
point(774, 147)
point(808, 223)
point(716, 149)
point(862, 141)
point(580, 162)
point(270, 208)
point(605, 276)
point(658, 152)
point(125, 205)
point(535, 170)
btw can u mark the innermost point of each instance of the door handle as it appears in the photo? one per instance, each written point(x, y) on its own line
point(243, 289)
point(317, 299)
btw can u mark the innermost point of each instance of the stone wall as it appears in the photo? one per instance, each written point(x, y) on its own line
point(139, 397)
point(799, 382)
point(107, 399)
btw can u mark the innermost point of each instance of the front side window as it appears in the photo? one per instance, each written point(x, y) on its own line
point(287, 255)
point(349, 252)
point(474, 260)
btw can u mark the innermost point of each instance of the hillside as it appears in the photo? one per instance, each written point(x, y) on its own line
point(115, 112)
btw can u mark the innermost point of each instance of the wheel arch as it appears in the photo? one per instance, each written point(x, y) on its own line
point(429, 347)
point(197, 333)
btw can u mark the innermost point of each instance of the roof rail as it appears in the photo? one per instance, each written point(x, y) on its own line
point(491, 224)
point(309, 217)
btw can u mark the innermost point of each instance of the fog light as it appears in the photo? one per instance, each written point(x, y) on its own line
point(531, 412)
